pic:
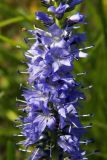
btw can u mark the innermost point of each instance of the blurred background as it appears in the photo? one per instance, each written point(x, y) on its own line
point(16, 15)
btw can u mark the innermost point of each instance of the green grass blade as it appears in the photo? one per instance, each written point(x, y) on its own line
point(11, 21)
point(10, 150)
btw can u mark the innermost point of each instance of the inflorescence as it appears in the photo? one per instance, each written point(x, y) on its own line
point(52, 123)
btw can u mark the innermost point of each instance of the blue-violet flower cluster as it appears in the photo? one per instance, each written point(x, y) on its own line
point(51, 101)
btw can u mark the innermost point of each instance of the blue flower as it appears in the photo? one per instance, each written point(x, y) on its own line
point(57, 57)
point(74, 3)
point(44, 17)
point(76, 18)
point(55, 31)
point(71, 145)
point(59, 11)
point(51, 121)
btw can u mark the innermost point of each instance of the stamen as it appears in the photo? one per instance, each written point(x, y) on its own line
point(22, 72)
point(19, 100)
point(81, 49)
point(18, 135)
point(89, 126)
point(28, 56)
point(89, 87)
point(76, 27)
point(26, 109)
point(94, 152)
point(74, 124)
point(82, 73)
point(18, 46)
point(24, 150)
point(29, 39)
point(22, 125)
point(85, 115)
point(86, 142)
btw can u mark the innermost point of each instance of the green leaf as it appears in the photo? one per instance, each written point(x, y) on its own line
point(10, 150)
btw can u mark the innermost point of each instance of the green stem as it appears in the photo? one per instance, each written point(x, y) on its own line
point(55, 149)
point(58, 22)
point(55, 154)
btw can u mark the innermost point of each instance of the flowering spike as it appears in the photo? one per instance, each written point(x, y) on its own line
point(51, 101)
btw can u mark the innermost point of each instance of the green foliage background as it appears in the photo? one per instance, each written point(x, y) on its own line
point(14, 15)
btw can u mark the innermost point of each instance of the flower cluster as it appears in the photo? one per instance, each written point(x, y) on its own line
point(52, 123)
